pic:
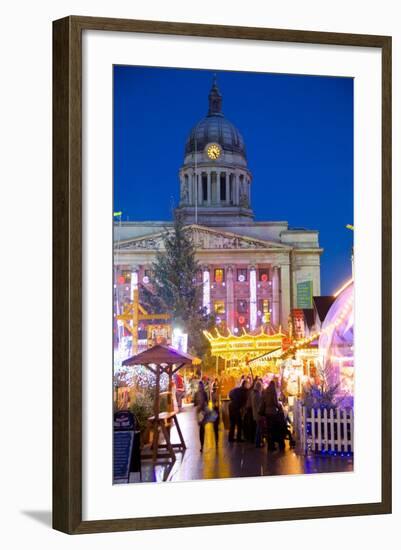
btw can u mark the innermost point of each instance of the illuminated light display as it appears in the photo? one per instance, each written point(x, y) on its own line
point(179, 340)
point(140, 377)
point(233, 347)
point(121, 280)
point(241, 319)
point(206, 291)
point(253, 305)
point(336, 342)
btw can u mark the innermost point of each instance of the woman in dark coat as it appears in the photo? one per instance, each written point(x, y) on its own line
point(201, 405)
point(270, 409)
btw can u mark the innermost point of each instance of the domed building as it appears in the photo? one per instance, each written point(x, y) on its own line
point(215, 179)
point(254, 273)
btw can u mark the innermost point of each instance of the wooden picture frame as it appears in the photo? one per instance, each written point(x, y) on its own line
point(67, 274)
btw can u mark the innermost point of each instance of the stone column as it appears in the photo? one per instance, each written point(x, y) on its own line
point(276, 297)
point(218, 183)
point(209, 188)
point(230, 309)
point(285, 294)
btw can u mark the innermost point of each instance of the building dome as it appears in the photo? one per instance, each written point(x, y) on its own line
point(215, 128)
point(214, 179)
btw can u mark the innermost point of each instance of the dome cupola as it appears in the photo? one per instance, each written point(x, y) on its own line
point(215, 128)
point(215, 180)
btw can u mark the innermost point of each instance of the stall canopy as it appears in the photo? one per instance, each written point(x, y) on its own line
point(162, 356)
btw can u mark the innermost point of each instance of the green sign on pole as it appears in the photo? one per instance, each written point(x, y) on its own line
point(304, 295)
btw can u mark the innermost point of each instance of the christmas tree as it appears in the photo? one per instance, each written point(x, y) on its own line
point(175, 286)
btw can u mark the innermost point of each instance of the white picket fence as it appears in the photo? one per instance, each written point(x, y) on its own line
point(318, 430)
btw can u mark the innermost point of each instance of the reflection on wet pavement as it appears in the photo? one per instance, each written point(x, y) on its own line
point(231, 460)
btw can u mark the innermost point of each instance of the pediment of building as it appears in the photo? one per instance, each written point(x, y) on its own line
point(204, 238)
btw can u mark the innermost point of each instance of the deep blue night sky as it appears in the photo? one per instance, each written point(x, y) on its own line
point(298, 132)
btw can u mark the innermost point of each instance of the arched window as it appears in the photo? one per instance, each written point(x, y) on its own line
point(185, 190)
point(204, 187)
point(231, 188)
point(223, 194)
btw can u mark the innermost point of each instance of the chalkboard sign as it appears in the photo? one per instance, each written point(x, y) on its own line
point(122, 451)
point(124, 425)
point(124, 420)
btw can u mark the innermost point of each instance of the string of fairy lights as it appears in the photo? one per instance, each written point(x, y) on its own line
point(140, 377)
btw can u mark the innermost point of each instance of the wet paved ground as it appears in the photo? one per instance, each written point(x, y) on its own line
point(233, 459)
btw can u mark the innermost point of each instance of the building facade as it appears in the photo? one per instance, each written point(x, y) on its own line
point(253, 272)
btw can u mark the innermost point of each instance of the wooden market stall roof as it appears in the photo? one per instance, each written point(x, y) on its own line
point(161, 355)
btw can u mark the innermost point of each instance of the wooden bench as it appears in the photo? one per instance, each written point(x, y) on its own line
point(163, 424)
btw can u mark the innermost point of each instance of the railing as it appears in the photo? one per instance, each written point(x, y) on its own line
point(323, 431)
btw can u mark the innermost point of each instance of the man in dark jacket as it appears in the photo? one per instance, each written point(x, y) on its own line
point(238, 398)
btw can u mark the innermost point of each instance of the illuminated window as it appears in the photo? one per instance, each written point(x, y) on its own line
point(242, 275)
point(219, 307)
point(264, 310)
point(124, 277)
point(263, 275)
point(218, 275)
point(242, 306)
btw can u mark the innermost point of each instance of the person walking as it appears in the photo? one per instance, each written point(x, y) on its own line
point(216, 409)
point(238, 397)
point(179, 390)
point(201, 407)
point(256, 401)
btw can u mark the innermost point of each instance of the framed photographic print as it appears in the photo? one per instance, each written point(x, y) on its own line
point(222, 275)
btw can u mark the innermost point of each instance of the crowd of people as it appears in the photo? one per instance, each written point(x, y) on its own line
point(257, 415)
point(255, 412)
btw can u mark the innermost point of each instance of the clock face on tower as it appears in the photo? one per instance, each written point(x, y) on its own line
point(213, 151)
